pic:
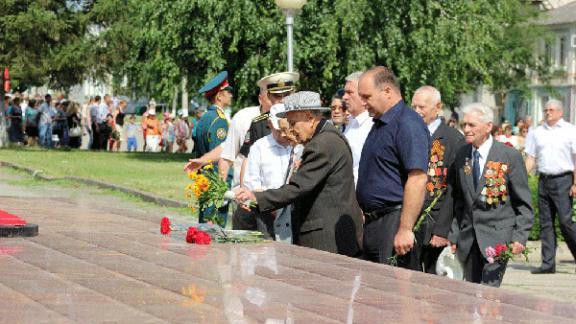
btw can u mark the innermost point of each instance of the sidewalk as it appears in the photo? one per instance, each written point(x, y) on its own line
point(559, 286)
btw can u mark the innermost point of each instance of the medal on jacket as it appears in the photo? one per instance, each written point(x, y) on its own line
point(467, 167)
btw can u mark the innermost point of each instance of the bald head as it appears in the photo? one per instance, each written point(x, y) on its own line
point(427, 102)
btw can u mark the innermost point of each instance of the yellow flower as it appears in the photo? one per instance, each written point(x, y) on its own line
point(192, 175)
point(208, 167)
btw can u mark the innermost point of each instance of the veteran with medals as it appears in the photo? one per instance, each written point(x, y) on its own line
point(492, 200)
point(213, 126)
point(432, 236)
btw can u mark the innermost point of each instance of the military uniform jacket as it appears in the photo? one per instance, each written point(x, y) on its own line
point(445, 142)
point(326, 215)
point(499, 209)
point(211, 131)
point(258, 129)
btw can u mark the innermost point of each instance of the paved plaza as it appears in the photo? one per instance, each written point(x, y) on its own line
point(99, 258)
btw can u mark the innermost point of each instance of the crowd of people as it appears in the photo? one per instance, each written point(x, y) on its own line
point(102, 121)
point(376, 178)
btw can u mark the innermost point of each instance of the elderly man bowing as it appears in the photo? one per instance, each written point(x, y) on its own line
point(326, 215)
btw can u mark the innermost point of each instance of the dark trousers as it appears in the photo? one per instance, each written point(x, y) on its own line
point(379, 237)
point(254, 221)
point(554, 199)
point(424, 256)
point(478, 270)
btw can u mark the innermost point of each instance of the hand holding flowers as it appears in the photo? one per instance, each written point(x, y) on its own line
point(504, 252)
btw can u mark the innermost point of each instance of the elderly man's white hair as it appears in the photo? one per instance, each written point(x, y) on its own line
point(485, 112)
point(354, 76)
point(555, 103)
point(433, 92)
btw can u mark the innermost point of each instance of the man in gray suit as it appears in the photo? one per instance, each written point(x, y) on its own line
point(492, 201)
point(326, 215)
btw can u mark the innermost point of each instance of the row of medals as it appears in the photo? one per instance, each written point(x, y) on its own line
point(495, 189)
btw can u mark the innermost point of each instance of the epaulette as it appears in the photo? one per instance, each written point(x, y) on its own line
point(261, 117)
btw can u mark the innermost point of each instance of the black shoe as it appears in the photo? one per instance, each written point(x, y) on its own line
point(543, 270)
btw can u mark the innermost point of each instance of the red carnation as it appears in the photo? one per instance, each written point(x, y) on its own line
point(191, 234)
point(197, 237)
point(500, 248)
point(165, 226)
point(508, 144)
point(202, 238)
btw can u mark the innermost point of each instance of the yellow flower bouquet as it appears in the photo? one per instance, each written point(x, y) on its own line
point(206, 190)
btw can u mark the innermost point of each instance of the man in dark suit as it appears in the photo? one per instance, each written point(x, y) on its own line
point(492, 200)
point(326, 215)
point(432, 236)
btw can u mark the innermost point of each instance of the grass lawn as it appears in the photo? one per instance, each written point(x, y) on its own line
point(157, 173)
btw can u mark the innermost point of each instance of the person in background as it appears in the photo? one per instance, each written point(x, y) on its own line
point(74, 120)
point(31, 122)
point(61, 123)
point(47, 113)
point(359, 121)
point(87, 121)
point(131, 134)
point(153, 133)
point(14, 116)
point(523, 132)
point(551, 148)
point(119, 125)
point(338, 114)
point(168, 133)
point(181, 131)
point(507, 137)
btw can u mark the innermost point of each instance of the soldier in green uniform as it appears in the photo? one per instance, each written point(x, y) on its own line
point(213, 127)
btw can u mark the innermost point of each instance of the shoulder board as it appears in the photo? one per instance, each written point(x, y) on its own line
point(261, 117)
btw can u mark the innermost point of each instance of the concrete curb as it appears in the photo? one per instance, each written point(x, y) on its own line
point(148, 197)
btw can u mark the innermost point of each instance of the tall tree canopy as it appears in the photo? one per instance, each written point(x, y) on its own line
point(454, 45)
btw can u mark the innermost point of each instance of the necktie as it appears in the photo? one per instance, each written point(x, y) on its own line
point(476, 168)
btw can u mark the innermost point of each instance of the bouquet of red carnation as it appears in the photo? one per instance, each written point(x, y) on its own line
point(196, 236)
point(502, 253)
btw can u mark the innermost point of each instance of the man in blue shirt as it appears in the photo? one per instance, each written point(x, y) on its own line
point(392, 173)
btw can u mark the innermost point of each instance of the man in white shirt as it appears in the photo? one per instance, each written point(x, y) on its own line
point(552, 146)
point(268, 163)
point(359, 122)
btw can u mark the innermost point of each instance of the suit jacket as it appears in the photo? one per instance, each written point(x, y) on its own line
point(326, 215)
point(451, 140)
point(502, 222)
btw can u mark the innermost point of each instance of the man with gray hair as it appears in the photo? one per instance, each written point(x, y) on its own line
point(359, 121)
point(552, 146)
point(432, 236)
point(492, 200)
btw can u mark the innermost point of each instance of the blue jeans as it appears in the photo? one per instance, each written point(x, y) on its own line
point(132, 144)
point(45, 135)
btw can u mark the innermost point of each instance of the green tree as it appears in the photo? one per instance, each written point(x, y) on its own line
point(454, 45)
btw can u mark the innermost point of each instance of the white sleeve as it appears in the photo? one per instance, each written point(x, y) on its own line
point(231, 146)
point(530, 143)
point(252, 177)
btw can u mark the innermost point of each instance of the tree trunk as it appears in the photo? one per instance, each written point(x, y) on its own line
point(185, 96)
point(3, 130)
point(175, 101)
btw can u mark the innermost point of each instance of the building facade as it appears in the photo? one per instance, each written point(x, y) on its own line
point(560, 51)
